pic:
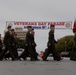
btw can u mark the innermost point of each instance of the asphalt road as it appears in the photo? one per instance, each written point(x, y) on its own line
point(51, 67)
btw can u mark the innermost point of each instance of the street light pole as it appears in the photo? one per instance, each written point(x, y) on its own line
point(65, 46)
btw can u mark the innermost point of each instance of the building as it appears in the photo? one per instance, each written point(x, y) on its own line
point(20, 33)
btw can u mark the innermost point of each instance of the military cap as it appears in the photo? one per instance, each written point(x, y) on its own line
point(29, 26)
point(12, 30)
point(52, 25)
point(8, 27)
point(32, 29)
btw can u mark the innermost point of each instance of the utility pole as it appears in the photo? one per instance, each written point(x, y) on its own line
point(65, 46)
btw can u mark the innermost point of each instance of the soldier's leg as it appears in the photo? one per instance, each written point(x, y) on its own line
point(16, 55)
point(11, 52)
point(56, 56)
point(35, 53)
point(72, 54)
point(0, 50)
point(46, 53)
point(31, 52)
point(3, 53)
point(75, 55)
point(14, 49)
point(25, 53)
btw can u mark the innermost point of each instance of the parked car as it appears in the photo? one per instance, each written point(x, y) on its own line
point(50, 55)
point(65, 54)
point(20, 50)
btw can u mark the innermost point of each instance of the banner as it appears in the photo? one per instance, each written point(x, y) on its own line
point(39, 25)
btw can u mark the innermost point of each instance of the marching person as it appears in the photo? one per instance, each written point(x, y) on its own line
point(34, 45)
point(73, 53)
point(51, 46)
point(26, 53)
point(8, 44)
point(14, 44)
point(29, 43)
point(0, 44)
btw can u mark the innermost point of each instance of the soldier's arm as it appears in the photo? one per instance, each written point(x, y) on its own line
point(55, 41)
point(27, 38)
point(50, 39)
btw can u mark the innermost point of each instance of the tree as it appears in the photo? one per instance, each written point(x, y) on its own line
point(65, 43)
point(21, 42)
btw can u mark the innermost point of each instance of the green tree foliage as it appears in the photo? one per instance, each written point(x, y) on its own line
point(65, 43)
point(21, 42)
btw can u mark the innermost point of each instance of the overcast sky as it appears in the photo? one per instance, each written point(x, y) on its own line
point(38, 10)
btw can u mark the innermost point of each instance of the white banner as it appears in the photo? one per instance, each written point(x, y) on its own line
point(40, 25)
